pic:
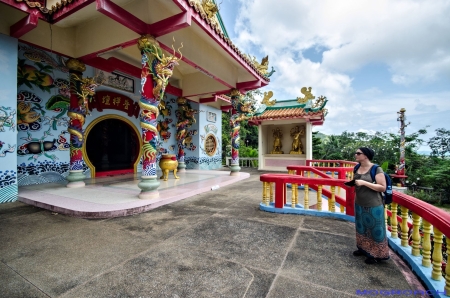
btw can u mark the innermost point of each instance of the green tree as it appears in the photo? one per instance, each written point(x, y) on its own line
point(440, 144)
point(316, 145)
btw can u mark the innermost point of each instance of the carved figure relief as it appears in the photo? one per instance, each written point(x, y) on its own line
point(296, 133)
point(277, 145)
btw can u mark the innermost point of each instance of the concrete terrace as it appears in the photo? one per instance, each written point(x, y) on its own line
point(213, 244)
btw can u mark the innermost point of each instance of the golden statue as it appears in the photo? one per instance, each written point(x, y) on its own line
point(277, 135)
point(308, 95)
point(266, 100)
point(297, 147)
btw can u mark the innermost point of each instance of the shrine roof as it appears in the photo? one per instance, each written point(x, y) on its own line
point(292, 109)
point(284, 113)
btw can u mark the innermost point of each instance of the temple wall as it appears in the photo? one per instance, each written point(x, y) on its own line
point(8, 141)
point(42, 104)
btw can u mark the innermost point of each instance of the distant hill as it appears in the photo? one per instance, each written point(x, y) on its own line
point(320, 135)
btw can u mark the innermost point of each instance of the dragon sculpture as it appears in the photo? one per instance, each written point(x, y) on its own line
point(186, 117)
point(83, 89)
point(242, 110)
point(156, 71)
point(210, 9)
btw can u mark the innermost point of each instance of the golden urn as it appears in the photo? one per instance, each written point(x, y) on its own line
point(168, 163)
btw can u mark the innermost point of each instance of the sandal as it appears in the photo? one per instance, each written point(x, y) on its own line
point(358, 253)
point(370, 261)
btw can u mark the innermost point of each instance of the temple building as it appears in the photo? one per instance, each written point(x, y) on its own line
point(285, 129)
point(101, 87)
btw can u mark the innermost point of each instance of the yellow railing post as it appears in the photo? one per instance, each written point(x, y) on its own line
point(394, 222)
point(415, 249)
point(319, 197)
point(436, 274)
point(404, 226)
point(447, 268)
point(332, 200)
point(265, 197)
point(385, 215)
point(294, 199)
point(271, 186)
point(306, 200)
point(426, 245)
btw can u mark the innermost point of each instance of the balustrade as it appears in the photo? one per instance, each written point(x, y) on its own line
point(419, 231)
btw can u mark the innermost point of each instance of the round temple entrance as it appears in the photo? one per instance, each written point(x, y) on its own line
point(112, 147)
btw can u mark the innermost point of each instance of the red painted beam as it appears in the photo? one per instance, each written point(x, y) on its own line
point(24, 26)
point(226, 108)
point(250, 85)
point(121, 16)
point(171, 24)
point(174, 90)
point(25, 8)
point(69, 9)
point(208, 99)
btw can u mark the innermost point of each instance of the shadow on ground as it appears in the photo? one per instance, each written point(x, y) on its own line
point(216, 244)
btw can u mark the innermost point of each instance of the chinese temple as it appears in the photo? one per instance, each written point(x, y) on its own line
point(101, 87)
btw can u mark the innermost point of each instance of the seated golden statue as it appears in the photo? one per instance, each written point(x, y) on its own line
point(297, 147)
point(277, 135)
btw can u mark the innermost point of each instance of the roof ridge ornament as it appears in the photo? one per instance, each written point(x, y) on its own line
point(266, 100)
point(308, 95)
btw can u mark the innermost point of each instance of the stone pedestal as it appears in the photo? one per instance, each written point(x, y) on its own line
point(76, 179)
point(148, 186)
point(400, 189)
point(235, 168)
point(181, 167)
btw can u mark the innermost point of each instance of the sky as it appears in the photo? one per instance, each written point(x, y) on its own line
point(369, 58)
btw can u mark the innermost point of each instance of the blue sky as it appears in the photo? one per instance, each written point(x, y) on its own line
point(369, 58)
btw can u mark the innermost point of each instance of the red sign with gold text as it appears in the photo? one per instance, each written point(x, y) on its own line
point(111, 100)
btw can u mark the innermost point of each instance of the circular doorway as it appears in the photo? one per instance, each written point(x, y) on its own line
point(112, 147)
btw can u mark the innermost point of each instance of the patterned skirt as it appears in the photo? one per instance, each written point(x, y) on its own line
point(371, 232)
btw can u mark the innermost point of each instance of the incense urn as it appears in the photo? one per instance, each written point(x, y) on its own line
point(168, 163)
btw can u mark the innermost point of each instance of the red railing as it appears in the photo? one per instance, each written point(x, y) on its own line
point(416, 231)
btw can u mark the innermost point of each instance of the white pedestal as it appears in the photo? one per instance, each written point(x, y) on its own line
point(399, 189)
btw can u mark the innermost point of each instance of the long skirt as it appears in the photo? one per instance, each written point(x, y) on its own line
point(371, 232)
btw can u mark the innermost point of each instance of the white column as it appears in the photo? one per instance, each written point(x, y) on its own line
point(260, 147)
point(308, 146)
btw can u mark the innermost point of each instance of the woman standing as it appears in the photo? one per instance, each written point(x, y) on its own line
point(369, 210)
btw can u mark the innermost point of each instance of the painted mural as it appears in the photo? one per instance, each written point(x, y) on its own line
point(8, 112)
point(42, 103)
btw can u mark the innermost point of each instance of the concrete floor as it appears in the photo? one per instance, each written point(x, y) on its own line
point(213, 244)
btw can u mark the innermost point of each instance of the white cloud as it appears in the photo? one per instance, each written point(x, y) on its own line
point(410, 36)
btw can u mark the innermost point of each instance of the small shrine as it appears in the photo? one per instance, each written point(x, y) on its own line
point(285, 129)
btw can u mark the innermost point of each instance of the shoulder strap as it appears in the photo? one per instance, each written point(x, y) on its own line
point(373, 171)
point(356, 168)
